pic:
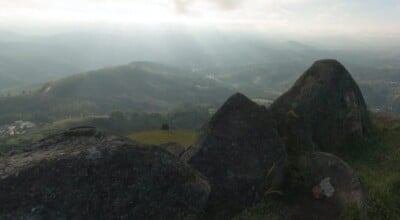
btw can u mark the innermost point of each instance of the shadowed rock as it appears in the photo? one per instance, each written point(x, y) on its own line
point(332, 188)
point(174, 148)
point(324, 108)
point(240, 153)
point(85, 173)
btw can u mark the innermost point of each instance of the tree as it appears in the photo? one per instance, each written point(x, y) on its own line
point(165, 127)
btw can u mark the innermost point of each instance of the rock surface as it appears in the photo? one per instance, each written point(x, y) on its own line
point(174, 148)
point(324, 108)
point(85, 173)
point(333, 187)
point(240, 153)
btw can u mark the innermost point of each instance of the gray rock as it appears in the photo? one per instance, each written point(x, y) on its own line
point(329, 106)
point(241, 154)
point(174, 148)
point(86, 173)
point(333, 187)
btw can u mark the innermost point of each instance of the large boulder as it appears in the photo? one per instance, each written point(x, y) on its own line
point(85, 173)
point(332, 190)
point(241, 154)
point(324, 108)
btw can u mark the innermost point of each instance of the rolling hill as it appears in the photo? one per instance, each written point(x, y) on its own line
point(138, 86)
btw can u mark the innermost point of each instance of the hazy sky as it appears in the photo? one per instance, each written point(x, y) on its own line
point(375, 17)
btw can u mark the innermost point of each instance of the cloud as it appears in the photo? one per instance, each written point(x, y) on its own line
point(186, 6)
point(289, 15)
point(227, 4)
point(181, 6)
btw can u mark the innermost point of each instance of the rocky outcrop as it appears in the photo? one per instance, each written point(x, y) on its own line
point(174, 148)
point(323, 111)
point(332, 188)
point(324, 108)
point(240, 153)
point(85, 173)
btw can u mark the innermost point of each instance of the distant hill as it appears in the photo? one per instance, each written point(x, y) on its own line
point(138, 86)
point(36, 59)
point(151, 84)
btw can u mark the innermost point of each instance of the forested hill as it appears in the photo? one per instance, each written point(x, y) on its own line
point(138, 86)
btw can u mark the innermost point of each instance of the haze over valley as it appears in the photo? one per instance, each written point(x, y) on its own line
point(187, 109)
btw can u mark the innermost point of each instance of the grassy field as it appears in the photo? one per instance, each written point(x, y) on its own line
point(18, 142)
point(182, 137)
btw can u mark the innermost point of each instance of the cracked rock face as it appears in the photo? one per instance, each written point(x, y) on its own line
point(85, 173)
point(329, 105)
point(240, 153)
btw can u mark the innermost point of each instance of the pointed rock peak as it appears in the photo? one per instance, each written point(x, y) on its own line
point(327, 71)
point(328, 62)
point(328, 101)
point(238, 99)
point(236, 151)
point(237, 108)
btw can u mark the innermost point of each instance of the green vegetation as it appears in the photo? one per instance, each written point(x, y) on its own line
point(186, 117)
point(380, 173)
point(351, 213)
point(182, 137)
point(267, 209)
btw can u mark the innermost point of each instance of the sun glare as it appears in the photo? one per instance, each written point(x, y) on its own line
point(136, 12)
point(102, 12)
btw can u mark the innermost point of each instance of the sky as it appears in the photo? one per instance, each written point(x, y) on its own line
point(313, 17)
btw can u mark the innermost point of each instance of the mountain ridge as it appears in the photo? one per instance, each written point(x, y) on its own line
point(138, 86)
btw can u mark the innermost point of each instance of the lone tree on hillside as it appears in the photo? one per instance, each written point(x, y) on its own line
point(165, 127)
